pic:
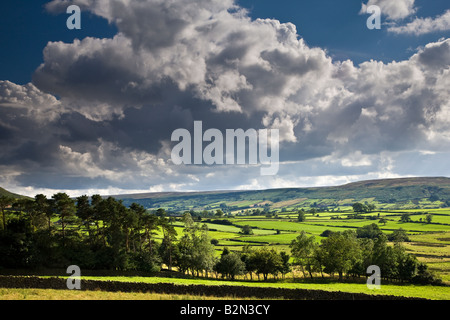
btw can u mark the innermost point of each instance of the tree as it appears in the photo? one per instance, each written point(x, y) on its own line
point(424, 276)
point(28, 207)
point(161, 212)
point(96, 205)
point(383, 221)
point(407, 263)
point(301, 215)
point(15, 244)
point(267, 261)
point(428, 218)
point(326, 233)
point(360, 208)
point(364, 259)
point(319, 256)
point(370, 231)
point(85, 211)
point(405, 217)
point(384, 256)
point(129, 221)
point(247, 230)
point(168, 249)
point(42, 205)
point(204, 252)
point(302, 250)
point(196, 251)
point(247, 256)
point(5, 202)
point(137, 234)
point(115, 221)
point(399, 235)
point(434, 197)
point(230, 265)
point(150, 225)
point(285, 265)
point(341, 252)
point(65, 207)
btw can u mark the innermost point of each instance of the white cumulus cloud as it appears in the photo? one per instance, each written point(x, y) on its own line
point(420, 26)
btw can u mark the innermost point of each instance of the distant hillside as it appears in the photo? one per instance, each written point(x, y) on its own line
point(410, 192)
point(4, 192)
point(401, 182)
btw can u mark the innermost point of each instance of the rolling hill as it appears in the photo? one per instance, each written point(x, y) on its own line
point(412, 192)
point(399, 193)
point(4, 192)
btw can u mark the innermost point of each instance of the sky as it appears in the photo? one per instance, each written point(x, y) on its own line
point(93, 110)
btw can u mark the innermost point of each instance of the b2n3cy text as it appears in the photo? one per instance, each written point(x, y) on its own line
point(249, 309)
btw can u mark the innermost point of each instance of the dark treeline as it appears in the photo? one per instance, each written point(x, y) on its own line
point(98, 233)
point(102, 234)
point(93, 233)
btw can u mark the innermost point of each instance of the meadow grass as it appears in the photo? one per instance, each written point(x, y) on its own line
point(436, 237)
point(403, 290)
point(52, 294)
point(283, 238)
point(274, 224)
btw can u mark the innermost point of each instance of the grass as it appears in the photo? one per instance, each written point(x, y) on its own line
point(407, 290)
point(402, 290)
point(284, 238)
point(274, 224)
point(52, 294)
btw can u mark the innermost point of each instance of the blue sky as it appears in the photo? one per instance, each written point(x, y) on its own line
point(338, 27)
point(92, 110)
point(27, 28)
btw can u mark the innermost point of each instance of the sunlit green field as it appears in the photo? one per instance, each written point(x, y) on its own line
point(51, 294)
point(429, 292)
point(430, 242)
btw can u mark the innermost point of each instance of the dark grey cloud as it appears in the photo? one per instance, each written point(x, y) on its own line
point(175, 62)
point(435, 55)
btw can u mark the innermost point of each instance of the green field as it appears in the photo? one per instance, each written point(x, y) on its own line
point(430, 242)
point(52, 294)
point(428, 292)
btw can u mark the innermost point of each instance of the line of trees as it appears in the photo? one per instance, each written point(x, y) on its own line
point(260, 261)
point(351, 252)
point(363, 208)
